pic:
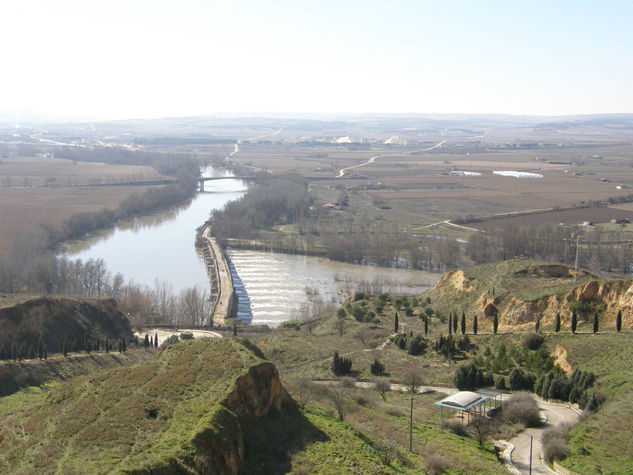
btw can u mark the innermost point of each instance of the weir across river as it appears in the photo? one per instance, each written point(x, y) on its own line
point(223, 298)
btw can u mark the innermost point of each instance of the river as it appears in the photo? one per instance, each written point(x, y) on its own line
point(271, 287)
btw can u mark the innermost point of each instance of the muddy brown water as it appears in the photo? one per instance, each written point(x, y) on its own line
point(272, 287)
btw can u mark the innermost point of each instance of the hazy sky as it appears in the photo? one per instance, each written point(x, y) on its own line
point(154, 58)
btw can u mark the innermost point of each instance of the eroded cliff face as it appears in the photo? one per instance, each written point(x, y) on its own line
point(501, 289)
point(603, 297)
point(256, 394)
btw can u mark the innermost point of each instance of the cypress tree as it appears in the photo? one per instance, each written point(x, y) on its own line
point(463, 323)
point(537, 325)
point(618, 322)
point(86, 342)
point(45, 352)
point(135, 340)
point(395, 323)
point(574, 321)
point(234, 329)
point(475, 325)
point(14, 350)
point(591, 405)
point(156, 340)
point(595, 323)
point(65, 347)
point(450, 324)
point(146, 341)
point(495, 323)
point(40, 348)
point(557, 323)
point(123, 344)
point(107, 345)
point(426, 324)
point(455, 324)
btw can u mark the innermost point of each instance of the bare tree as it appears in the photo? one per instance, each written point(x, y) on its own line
point(193, 307)
point(413, 380)
point(481, 427)
point(382, 386)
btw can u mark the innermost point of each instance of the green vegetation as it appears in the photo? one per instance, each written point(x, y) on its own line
point(152, 415)
point(600, 443)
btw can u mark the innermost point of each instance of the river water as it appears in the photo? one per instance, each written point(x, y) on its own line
point(271, 287)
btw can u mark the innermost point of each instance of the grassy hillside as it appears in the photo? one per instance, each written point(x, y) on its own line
point(522, 291)
point(25, 320)
point(602, 442)
point(35, 372)
point(164, 414)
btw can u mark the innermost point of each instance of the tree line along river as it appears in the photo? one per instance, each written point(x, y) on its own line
point(271, 287)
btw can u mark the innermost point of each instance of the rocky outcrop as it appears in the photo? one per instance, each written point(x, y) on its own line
point(521, 292)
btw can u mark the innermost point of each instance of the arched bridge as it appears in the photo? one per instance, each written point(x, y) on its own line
point(212, 178)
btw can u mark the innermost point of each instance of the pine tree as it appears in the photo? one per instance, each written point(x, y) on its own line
point(475, 325)
point(595, 323)
point(395, 323)
point(618, 322)
point(557, 323)
point(463, 323)
point(495, 323)
point(377, 368)
point(426, 324)
point(574, 321)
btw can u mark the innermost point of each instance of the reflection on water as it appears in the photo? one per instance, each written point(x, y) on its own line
point(271, 287)
point(161, 246)
point(282, 286)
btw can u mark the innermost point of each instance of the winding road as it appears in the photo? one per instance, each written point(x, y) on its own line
point(556, 414)
point(342, 171)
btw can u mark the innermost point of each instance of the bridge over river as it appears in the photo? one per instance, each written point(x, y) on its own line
point(203, 179)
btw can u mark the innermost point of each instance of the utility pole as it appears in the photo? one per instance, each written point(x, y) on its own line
point(531, 437)
point(576, 263)
point(411, 427)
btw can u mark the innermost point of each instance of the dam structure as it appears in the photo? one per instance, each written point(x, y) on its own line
point(223, 299)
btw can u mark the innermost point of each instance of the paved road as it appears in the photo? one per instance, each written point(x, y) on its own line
point(163, 333)
point(556, 414)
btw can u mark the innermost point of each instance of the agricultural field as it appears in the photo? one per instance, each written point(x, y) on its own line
point(455, 180)
point(21, 172)
point(24, 208)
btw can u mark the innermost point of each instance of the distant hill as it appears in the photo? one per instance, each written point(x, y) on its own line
point(54, 318)
point(522, 291)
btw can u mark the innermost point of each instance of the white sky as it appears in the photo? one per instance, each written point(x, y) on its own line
point(156, 58)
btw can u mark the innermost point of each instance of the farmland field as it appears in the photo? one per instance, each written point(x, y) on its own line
point(568, 217)
point(24, 208)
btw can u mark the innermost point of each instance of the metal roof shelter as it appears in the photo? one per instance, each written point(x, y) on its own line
point(469, 402)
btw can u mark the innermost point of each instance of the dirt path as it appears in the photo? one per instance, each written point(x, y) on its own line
point(342, 171)
point(556, 414)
